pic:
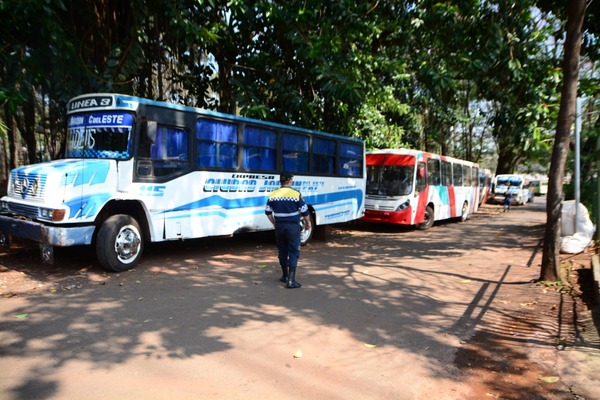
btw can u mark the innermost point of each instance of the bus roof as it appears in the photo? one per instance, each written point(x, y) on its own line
point(418, 154)
point(100, 101)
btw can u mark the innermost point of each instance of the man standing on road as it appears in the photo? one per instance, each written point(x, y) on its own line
point(507, 201)
point(284, 209)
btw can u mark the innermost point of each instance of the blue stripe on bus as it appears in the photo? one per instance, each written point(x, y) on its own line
point(443, 193)
point(224, 214)
point(87, 206)
point(232, 204)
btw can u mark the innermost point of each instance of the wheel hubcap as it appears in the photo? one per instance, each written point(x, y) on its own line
point(127, 244)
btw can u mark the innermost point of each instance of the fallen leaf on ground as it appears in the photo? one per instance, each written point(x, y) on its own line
point(298, 354)
point(549, 379)
point(526, 304)
point(21, 316)
point(369, 345)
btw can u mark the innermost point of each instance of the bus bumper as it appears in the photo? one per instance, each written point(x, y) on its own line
point(389, 217)
point(44, 234)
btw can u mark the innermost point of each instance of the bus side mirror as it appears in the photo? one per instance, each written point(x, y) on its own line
point(421, 172)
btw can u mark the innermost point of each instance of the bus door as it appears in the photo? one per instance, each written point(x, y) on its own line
point(421, 192)
point(163, 166)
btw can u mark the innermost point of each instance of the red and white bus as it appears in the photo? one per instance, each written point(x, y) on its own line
point(412, 187)
point(485, 182)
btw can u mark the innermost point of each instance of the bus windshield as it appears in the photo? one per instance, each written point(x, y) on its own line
point(391, 180)
point(509, 181)
point(100, 135)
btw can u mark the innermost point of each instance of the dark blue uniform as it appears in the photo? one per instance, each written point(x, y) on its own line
point(507, 201)
point(287, 206)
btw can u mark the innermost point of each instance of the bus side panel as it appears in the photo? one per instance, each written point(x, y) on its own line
point(334, 200)
point(422, 202)
point(448, 202)
point(452, 204)
point(475, 196)
point(219, 203)
point(445, 202)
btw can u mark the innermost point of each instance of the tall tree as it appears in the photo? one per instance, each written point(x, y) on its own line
point(519, 82)
point(550, 270)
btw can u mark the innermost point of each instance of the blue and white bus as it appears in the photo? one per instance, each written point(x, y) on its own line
point(138, 171)
point(516, 185)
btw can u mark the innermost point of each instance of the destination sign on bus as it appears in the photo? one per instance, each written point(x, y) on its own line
point(90, 102)
point(101, 120)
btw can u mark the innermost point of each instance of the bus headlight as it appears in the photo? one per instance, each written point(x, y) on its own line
point(404, 205)
point(4, 206)
point(52, 214)
point(46, 213)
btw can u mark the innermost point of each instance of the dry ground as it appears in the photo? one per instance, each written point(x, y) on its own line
point(511, 333)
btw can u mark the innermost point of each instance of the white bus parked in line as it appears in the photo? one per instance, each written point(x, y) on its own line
point(138, 170)
point(517, 185)
point(413, 187)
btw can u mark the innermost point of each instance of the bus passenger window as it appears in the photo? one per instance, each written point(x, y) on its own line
point(446, 173)
point(457, 175)
point(350, 161)
point(260, 149)
point(433, 172)
point(169, 152)
point(324, 156)
point(466, 176)
point(295, 152)
point(421, 177)
point(217, 144)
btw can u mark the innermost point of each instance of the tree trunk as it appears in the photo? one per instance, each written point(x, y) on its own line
point(28, 133)
point(551, 257)
point(11, 135)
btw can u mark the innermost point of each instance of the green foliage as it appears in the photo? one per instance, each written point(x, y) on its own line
point(589, 159)
point(440, 76)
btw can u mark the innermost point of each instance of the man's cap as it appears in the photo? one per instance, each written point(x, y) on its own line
point(286, 176)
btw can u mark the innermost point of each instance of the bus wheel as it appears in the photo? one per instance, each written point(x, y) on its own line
point(428, 221)
point(119, 243)
point(465, 212)
point(307, 234)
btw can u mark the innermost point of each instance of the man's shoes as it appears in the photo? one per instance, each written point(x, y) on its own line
point(291, 283)
point(284, 275)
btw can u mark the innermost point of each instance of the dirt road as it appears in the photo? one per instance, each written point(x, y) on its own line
point(383, 313)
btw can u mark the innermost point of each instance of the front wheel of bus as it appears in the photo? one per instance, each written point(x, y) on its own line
point(119, 243)
point(429, 219)
point(306, 234)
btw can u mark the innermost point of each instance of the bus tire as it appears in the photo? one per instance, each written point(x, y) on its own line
point(119, 244)
point(465, 212)
point(307, 234)
point(429, 219)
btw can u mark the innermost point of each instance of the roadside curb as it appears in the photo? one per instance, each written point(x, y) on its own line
point(596, 275)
